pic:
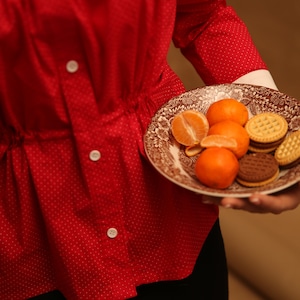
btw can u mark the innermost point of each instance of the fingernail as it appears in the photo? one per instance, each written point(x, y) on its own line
point(254, 200)
point(227, 205)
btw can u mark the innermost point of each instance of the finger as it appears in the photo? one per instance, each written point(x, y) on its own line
point(235, 203)
point(279, 202)
point(242, 204)
point(259, 203)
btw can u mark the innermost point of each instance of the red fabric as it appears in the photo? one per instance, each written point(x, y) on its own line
point(57, 205)
point(215, 40)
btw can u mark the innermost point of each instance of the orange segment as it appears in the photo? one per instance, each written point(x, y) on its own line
point(189, 127)
point(227, 109)
point(217, 140)
point(193, 150)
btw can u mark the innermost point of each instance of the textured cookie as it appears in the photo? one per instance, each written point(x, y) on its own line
point(257, 169)
point(266, 127)
point(288, 153)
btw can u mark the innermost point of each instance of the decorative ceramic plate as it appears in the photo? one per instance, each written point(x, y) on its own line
point(169, 159)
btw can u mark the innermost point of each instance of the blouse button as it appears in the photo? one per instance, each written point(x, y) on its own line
point(95, 155)
point(72, 66)
point(112, 233)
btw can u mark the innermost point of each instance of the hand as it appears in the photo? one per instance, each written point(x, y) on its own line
point(258, 203)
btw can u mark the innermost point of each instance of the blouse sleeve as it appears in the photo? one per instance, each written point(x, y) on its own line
point(215, 40)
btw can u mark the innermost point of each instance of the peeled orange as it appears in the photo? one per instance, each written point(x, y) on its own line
point(189, 127)
point(227, 109)
point(235, 131)
point(216, 167)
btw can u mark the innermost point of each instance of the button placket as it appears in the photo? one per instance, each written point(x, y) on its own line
point(94, 155)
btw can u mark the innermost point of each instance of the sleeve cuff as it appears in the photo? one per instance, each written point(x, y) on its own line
point(258, 77)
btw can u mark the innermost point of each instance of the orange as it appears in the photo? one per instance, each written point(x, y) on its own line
point(216, 167)
point(189, 127)
point(227, 109)
point(216, 140)
point(233, 130)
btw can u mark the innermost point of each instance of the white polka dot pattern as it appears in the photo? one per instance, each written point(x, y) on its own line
point(82, 210)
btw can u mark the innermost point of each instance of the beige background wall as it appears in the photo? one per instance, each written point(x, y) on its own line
point(263, 250)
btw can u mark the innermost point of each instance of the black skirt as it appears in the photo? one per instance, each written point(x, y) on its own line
point(209, 280)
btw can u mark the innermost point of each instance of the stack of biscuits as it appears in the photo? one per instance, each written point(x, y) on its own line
point(266, 131)
point(257, 169)
point(270, 149)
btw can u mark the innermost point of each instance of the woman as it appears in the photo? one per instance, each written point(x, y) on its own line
point(83, 213)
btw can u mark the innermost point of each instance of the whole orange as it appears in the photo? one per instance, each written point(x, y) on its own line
point(217, 167)
point(227, 109)
point(233, 130)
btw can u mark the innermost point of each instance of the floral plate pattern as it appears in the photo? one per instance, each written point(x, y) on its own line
point(169, 159)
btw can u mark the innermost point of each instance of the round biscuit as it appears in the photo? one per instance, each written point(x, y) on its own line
point(289, 150)
point(266, 127)
point(256, 167)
